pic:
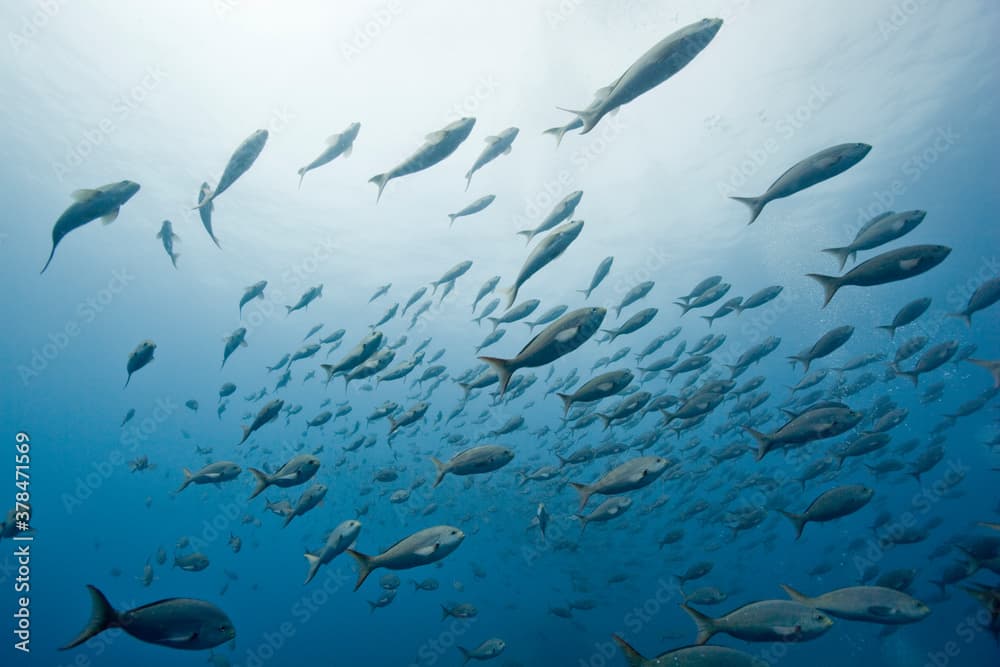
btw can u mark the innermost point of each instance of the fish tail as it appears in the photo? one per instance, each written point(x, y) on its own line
point(528, 234)
point(102, 617)
point(468, 180)
point(584, 491)
point(585, 293)
point(442, 470)
point(684, 308)
point(606, 419)
point(755, 204)
point(763, 442)
point(393, 425)
point(632, 657)
point(262, 483)
point(302, 174)
point(187, 480)
point(891, 329)
point(127, 380)
point(993, 368)
point(451, 220)
point(830, 285)
point(913, 376)
point(365, 566)
point(705, 624)
point(329, 371)
point(840, 253)
point(445, 612)
point(313, 567)
point(466, 655)
point(798, 520)
point(557, 132)
point(511, 293)
point(583, 522)
point(173, 259)
point(49, 261)
point(567, 400)
point(796, 596)
point(709, 319)
point(246, 433)
point(495, 321)
point(380, 180)
point(964, 316)
point(590, 117)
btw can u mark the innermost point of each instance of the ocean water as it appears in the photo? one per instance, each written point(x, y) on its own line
point(162, 94)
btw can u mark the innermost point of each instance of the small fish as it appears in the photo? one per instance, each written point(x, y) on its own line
point(307, 297)
point(139, 358)
point(474, 207)
point(166, 234)
point(496, 146)
point(240, 161)
point(235, 340)
point(600, 273)
point(438, 146)
point(560, 212)
point(255, 291)
point(336, 145)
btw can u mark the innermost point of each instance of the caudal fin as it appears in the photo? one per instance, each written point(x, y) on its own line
point(365, 566)
point(891, 329)
point(632, 657)
point(567, 400)
point(763, 442)
point(830, 285)
point(49, 261)
point(262, 483)
point(798, 520)
point(992, 366)
point(558, 133)
point(964, 316)
point(510, 293)
point(451, 219)
point(755, 204)
point(585, 493)
point(102, 617)
point(187, 480)
point(528, 234)
point(842, 254)
point(442, 470)
point(313, 567)
point(589, 117)
point(502, 368)
point(380, 180)
point(705, 624)
point(302, 174)
point(466, 655)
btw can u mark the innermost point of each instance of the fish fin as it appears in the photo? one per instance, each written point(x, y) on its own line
point(840, 253)
point(632, 657)
point(705, 624)
point(110, 217)
point(492, 139)
point(451, 220)
point(763, 442)
point(347, 151)
point(262, 482)
point(830, 285)
point(606, 419)
point(502, 369)
point(684, 308)
point(881, 611)
point(380, 180)
point(567, 400)
point(468, 181)
point(511, 293)
point(466, 655)
point(557, 132)
point(436, 136)
point(708, 319)
point(102, 617)
point(83, 194)
point(912, 376)
point(992, 367)
point(528, 234)
point(891, 329)
point(314, 563)
point(796, 596)
point(506, 151)
point(442, 470)
point(173, 259)
point(302, 175)
point(49, 260)
point(755, 204)
point(965, 317)
point(589, 116)
point(584, 491)
point(798, 520)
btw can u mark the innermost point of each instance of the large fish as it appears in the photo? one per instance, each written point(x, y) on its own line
point(298, 470)
point(888, 267)
point(421, 548)
point(181, 623)
point(881, 230)
point(339, 540)
point(690, 656)
point(549, 249)
point(558, 339)
point(814, 169)
point(103, 202)
point(336, 145)
point(267, 414)
point(561, 211)
point(240, 161)
point(668, 57)
point(438, 146)
point(873, 604)
point(474, 461)
point(629, 476)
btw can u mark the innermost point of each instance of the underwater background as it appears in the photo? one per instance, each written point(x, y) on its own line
point(161, 93)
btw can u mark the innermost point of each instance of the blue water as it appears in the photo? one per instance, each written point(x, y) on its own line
point(161, 95)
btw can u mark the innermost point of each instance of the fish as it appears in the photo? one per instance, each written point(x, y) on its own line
point(298, 470)
point(102, 202)
point(166, 234)
point(993, 366)
point(689, 656)
point(451, 275)
point(985, 296)
point(214, 473)
point(336, 145)
point(496, 145)
point(634, 294)
point(518, 312)
point(489, 649)
point(828, 343)
point(368, 346)
point(907, 314)
point(871, 604)
point(551, 247)
point(933, 358)
point(548, 316)
point(181, 623)
point(140, 357)
point(381, 290)
point(205, 212)
point(764, 621)
point(633, 474)
point(557, 339)
point(759, 298)
point(562, 211)
point(602, 386)
point(888, 267)
point(267, 414)
point(255, 291)
point(833, 504)
point(665, 59)
point(241, 160)
point(485, 291)
point(234, 340)
point(474, 461)
point(309, 499)
point(421, 548)
point(474, 207)
point(600, 273)
point(610, 509)
point(437, 147)
point(816, 423)
point(307, 297)
point(632, 324)
point(814, 169)
point(879, 231)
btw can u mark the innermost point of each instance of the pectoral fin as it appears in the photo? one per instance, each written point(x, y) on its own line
point(110, 217)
